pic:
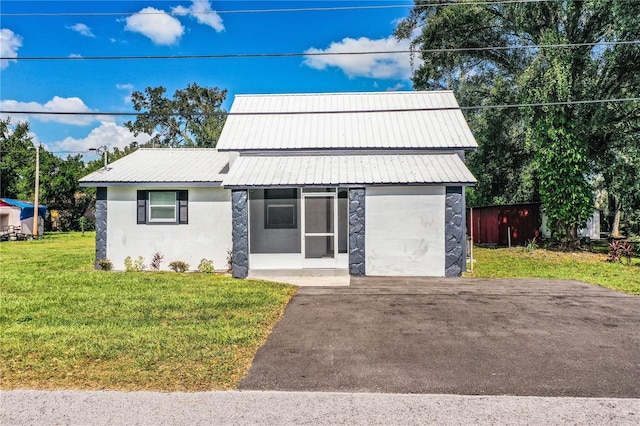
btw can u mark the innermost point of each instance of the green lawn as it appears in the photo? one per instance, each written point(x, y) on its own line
point(582, 266)
point(65, 326)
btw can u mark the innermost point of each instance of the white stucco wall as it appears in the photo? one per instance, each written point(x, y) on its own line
point(405, 233)
point(208, 234)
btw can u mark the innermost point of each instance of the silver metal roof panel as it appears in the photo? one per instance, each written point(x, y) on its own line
point(378, 120)
point(333, 170)
point(162, 165)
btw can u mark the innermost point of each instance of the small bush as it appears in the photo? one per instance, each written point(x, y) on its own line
point(627, 251)
point(105, 265)
point(156, 261)
point(179, 266)
point(134, 265)
point(229, 261)
point(619, 250)
point(531, 245)
point(206, 266)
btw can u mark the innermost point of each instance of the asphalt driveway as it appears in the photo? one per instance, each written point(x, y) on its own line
point(455, 336)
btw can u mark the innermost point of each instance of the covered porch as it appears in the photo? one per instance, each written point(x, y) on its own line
point(314, 213)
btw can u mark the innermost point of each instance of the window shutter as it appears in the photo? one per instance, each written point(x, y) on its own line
point(183, 207)
point(142, 207)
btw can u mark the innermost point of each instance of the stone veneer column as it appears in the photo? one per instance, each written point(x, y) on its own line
point(356, 231)
point(101, 225)
point(454, 232)
point(240, 233)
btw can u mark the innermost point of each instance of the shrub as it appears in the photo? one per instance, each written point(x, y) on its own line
point(206, 266)
point(105, 265)
point(156, 261)
point(531, 245)
point(229, 261)
point(179, 266)
point(618, 250)
point(627, 251)
point(134, 265)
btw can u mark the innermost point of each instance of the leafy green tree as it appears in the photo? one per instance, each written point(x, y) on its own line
point(59, 187)
point(17, 159)
point(61, 191)
point(551, 152)
point(192, 118)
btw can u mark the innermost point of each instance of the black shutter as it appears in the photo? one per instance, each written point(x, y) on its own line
point(142, 207)
point(183, 206)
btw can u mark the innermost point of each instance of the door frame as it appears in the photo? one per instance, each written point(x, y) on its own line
point(324, 263)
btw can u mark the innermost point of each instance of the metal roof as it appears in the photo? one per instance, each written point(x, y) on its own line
point(333, 170)
point(162, 165)
point(379, 120)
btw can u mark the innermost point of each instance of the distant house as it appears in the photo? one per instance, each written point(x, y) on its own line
point(365, 183)
point(16, 217)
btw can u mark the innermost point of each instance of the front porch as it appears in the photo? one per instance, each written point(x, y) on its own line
point(298, 232)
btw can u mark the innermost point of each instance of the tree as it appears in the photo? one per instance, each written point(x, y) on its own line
point(17, 159)
point(193, 118)
point(556, 152)
point(59, 187)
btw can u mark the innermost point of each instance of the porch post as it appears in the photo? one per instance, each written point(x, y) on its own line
point(454, 232)
point(240, 233)
point(356, 231)
point(101, 225)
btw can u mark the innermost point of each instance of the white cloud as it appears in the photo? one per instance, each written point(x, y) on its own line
point(81, 29)
point(201, 10)
point(158, 25)
point(57, 104)
point(395, 88)
point(108, 133)
point(129, 88)
point(9, 45)
point(384, 65)
point(75, 55)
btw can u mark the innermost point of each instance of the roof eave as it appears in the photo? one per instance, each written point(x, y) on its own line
point(212, 184)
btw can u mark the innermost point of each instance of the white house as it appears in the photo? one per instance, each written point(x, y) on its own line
point(369, 183)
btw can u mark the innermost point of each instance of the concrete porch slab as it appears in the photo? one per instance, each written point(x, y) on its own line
point(305, 277)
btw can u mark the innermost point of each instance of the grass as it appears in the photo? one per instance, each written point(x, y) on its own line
point(65, 326)
point(540, 263)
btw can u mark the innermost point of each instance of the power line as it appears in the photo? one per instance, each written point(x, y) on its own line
point(282, 10)
point(365, 111)
point(301, 54)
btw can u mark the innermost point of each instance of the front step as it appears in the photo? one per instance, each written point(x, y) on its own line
point(315, 272)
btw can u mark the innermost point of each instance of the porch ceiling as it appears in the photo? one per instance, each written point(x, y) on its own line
point(335, 170)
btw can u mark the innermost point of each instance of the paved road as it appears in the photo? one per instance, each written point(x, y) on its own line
point(465, 337)
point(33, 408)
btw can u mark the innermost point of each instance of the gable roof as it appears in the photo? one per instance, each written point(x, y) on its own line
point(157, 166)
point(373, 121)
point(334, 170)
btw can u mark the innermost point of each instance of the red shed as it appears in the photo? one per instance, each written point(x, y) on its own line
point(492, 224)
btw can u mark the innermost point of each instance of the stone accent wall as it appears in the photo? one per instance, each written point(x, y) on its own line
point(454, 232)
point(356, 231)
point(101, 224)
point(240, 233)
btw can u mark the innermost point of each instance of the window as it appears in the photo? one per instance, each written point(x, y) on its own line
point(163, 207)
point(280, 208)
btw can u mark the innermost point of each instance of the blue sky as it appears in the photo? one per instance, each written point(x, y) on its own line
point(106, 85)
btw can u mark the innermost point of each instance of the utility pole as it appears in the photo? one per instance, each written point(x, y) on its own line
point(36, 196)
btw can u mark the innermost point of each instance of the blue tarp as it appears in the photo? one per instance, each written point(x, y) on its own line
point(26, 209)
